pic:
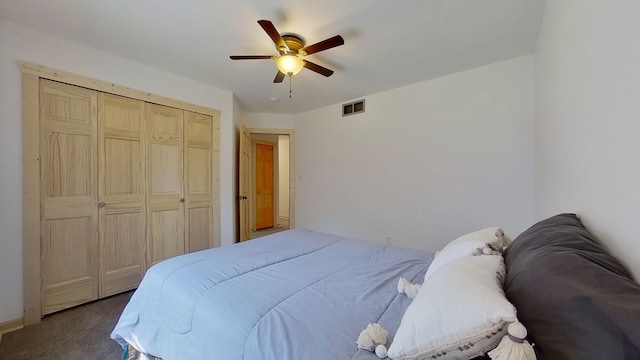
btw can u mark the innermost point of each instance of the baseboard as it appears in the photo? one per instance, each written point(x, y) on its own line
point(11, 325)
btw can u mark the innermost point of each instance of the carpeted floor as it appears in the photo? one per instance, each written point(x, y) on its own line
point(78, 333)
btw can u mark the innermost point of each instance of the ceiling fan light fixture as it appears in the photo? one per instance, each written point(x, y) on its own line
point(289, 64)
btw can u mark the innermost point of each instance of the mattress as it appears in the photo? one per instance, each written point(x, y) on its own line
point(297, 294)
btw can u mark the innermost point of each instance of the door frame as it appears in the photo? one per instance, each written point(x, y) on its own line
point(244, 154)
point(292, 167)
point(31, 75)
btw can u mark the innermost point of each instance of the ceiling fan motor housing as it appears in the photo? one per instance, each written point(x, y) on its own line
point(293, 41)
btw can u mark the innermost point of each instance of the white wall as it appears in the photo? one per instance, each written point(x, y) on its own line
point(587, 131)
point(426, 162)
point(269, 121)
point(18, 42)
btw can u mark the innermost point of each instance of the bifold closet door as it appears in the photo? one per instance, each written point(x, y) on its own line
point(69, 195)
point(198, 181)
point(121, 123)
point(165, 174)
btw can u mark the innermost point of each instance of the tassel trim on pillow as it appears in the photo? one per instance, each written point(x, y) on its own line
point(514, 346)
point(405, 287)
point(374, 338)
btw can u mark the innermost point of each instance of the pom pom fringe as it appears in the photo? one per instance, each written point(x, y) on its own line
point(495, 247)
point(405, 287)
point(381, 351)
point(373, 338)
point(514, 346)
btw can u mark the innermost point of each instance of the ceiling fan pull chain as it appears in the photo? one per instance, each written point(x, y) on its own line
point(290, 85)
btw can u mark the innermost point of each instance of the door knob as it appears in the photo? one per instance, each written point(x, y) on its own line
point(182, 200)
point(101, 204)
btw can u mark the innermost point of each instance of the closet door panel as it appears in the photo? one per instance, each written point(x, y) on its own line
point(199, 171)
point(68, 195)
point(165, 197)
point(67, 162)
point(121, 251)
point(166, 160)
point(167, 233)
point(200, 228)
point(123, 173)
point(198, 181)
point(122, 198)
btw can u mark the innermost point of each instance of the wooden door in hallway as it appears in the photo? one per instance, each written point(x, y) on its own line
point(264, 186)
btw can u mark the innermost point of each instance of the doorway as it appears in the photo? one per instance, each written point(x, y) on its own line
point(255, 174)
point(269, 202)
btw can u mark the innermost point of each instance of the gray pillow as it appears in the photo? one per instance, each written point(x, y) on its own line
point(576, 300)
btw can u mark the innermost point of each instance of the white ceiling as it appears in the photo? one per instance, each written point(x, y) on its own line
point(388, 43)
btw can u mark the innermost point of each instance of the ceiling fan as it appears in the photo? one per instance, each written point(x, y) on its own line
point(292, 50)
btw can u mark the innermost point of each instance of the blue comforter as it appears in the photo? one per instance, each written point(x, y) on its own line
point(292, 295)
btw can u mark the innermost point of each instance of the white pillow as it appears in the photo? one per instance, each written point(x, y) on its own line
point(460, 312)
point(465, 246)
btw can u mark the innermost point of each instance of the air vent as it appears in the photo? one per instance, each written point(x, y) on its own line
point(355, 107)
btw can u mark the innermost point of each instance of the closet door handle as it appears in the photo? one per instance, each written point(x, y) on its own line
point(182, 200)
point(101, 204)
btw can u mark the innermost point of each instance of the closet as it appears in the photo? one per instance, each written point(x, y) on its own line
point(123, 183)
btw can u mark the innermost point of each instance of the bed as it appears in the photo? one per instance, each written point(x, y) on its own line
point(306, 295)
point(293, 295)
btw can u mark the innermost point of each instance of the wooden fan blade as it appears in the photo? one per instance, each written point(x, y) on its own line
point(250, 57)
point(317, 68)
point(279, 77)
point(268, 27)
point(323, 45)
